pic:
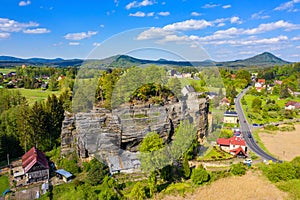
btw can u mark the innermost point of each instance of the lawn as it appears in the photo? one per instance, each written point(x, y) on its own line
point(7, 70)
point(259, 142)
point(260, 120)
point(215, 154)
point(4, 183)
point(33, 95)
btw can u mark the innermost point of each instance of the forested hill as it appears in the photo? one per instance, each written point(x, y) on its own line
point(264, 59)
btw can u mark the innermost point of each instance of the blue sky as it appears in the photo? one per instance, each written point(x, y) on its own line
point(188, 29)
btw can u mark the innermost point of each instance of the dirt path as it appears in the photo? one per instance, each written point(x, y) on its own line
point(284, 145)
point(250, 186)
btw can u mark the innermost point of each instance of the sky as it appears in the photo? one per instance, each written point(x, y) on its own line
point(150, 29)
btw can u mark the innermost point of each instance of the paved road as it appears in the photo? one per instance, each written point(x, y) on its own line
point(246, 131)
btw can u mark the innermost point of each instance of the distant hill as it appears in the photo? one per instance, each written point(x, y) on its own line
point(264, 59)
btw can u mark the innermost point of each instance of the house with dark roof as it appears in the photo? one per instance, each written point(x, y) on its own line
point(187, 90)
point(35, 166)
point(230, 117)
point(292, 105)
point(234, 145)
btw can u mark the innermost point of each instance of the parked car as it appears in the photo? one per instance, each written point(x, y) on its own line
point(247, 161)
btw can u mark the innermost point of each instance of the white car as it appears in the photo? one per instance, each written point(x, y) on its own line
point(247, 161)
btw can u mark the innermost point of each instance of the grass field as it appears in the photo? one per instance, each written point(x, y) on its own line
point(7, 70)
point(33, 95)
point(292, 187)
point(4, 183)
point(250, 186)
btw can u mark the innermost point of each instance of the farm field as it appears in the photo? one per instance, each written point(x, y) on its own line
point(284, 145)
point(33, 95)
point(7, 70)
point(250, 186)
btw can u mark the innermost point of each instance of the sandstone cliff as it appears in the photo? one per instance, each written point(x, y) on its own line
point(102, 133)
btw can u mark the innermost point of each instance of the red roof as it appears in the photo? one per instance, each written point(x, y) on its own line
point(238, 150)
point(233, 140)
point(293, 103)
point(33, 156)
point(261, 81)
point(225, 100)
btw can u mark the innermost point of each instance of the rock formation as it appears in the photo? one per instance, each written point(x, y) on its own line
point(102, 133)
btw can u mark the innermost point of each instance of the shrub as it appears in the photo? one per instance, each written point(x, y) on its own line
point(199, 175)
point(281, 172)
point(238, 169)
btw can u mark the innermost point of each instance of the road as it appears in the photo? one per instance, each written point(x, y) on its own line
point(246, 130)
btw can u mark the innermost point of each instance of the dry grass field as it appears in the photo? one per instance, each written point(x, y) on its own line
point(284, 145)
point(250, 186)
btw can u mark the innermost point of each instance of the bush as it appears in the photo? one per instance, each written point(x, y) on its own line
point(199, 175)
point(238, 169)
point(280, 172)
point(97, 172)
point(296, 164)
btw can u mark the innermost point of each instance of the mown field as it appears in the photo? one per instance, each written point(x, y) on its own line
point(33, 95)
point(7, 70)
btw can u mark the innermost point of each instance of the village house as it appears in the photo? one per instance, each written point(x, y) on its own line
point(230, 117)
point(261, 81)
point(224, 102)
point(234, 145)
point(292, 105)
point(34, 168)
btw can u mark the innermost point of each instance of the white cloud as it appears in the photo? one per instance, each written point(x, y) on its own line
point(150, 14)
point(137, 14)
point(295, 38)
point(281, 24)
point(80, 36)
point(101, 25)
point(74, 43)
point(249, 41)
point(298, 47)
point(164, 14)
point(188, 25)
point(196, 14)
point(226, 6)
point(116, 2)
point(9, 25)
point(24, 3)
point(36, 31)
point(235, 20)
point(289, 6)
point(210, 5)
point(96, 44)
point(4, 35)
point(154, 33)
point(221, 24)
point(259, 15)
point(135, 4)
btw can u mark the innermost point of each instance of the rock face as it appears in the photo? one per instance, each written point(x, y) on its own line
point(102, 133)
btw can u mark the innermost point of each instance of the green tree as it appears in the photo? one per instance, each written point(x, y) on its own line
point(186, 168)
point(151, 142)
point(152, 183)
point(284, 92)
point(199, 175)
point(97, 172)
point(138, 192)
point(109, 189)
point(256, 104)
